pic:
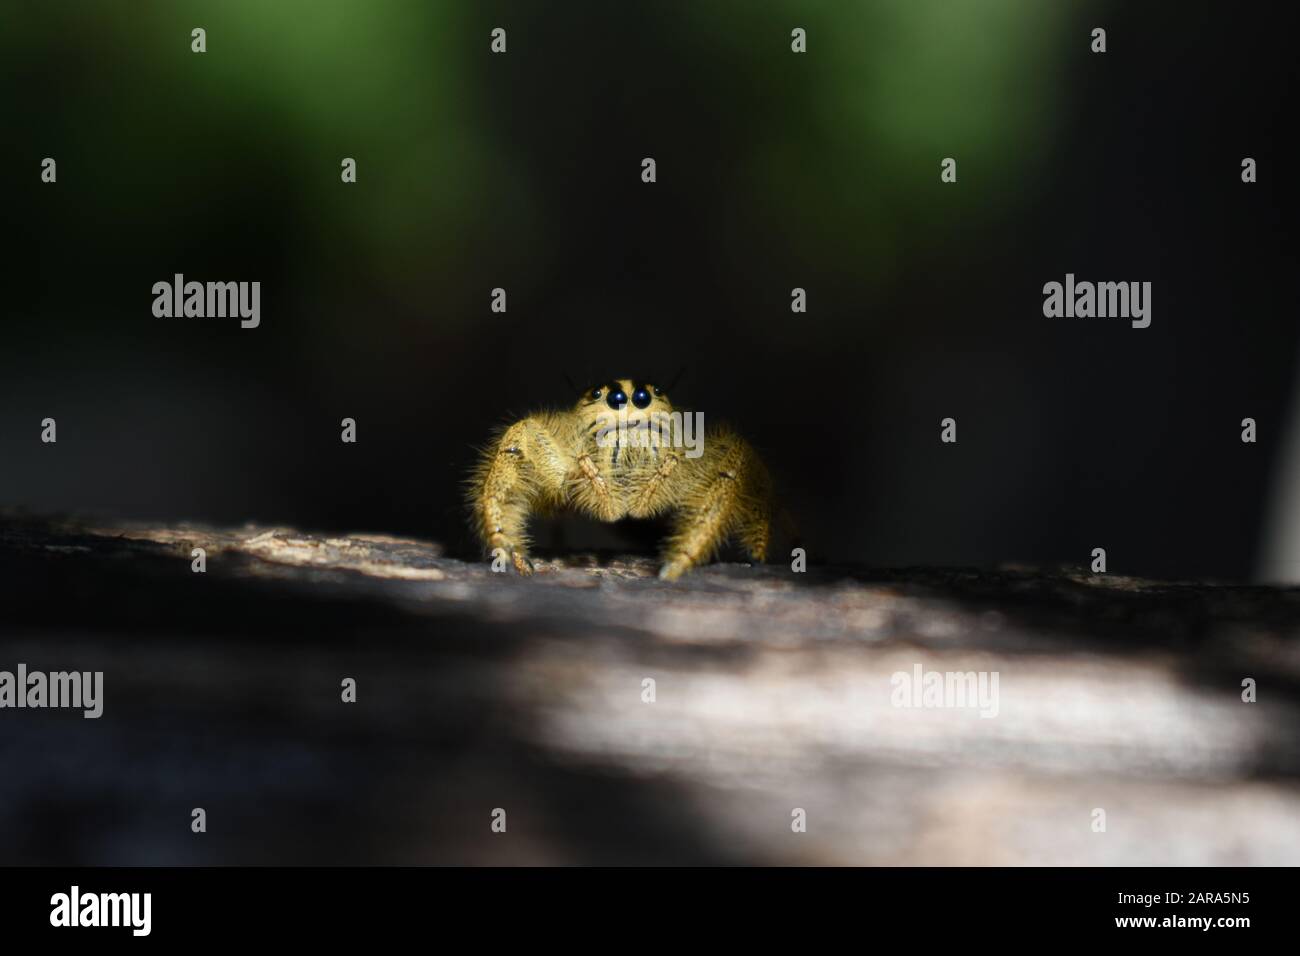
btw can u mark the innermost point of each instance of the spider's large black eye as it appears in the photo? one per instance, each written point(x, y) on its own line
point(595, 394)
point(617, 399)
point(640, 398)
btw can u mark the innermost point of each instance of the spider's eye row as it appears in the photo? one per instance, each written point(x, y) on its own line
point(641, 398)
point(617, 399)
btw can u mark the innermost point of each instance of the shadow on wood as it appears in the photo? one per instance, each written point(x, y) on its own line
point(772, 691)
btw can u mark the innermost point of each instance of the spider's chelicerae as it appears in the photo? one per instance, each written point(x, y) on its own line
point(619, 453)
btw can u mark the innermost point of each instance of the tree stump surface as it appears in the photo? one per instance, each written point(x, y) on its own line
point(774, 692)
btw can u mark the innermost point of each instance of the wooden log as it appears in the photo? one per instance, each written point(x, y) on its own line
point(773, 692)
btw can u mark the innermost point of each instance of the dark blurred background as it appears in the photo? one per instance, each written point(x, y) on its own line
point(775, 170)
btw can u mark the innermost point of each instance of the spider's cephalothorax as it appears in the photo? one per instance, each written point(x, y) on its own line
point(623, 451)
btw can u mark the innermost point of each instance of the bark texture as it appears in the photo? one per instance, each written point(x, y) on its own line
point(773, 691)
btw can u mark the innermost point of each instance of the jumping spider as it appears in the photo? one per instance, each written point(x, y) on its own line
point(612, 456)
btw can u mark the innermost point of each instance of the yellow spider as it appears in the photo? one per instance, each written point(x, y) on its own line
point(623, 451)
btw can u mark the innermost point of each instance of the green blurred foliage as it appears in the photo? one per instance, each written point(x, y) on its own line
point(886, 91)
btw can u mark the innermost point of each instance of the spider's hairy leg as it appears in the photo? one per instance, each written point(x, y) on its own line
point(521, 471)
point(754, 512)
point(727, 492)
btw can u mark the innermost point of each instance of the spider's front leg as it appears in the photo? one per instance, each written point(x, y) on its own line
point(727, 493)
point(522, 470)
